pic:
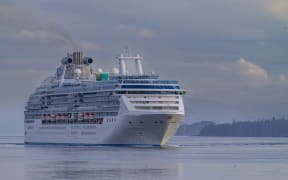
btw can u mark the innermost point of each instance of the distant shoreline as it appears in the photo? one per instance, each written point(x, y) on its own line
point(265, 128)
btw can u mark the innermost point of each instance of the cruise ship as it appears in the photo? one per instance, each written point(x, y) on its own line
point(80, 106)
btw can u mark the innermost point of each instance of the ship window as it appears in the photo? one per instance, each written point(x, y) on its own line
point(157, 107)
point(150, 81)
point(149, 87)
point(98, 120)
point(142, 107)
point(29, 121)
point(152, 92)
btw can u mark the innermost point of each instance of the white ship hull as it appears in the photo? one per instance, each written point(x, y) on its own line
point(150, 129)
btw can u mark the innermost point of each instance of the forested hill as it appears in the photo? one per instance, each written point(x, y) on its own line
point(265, 128)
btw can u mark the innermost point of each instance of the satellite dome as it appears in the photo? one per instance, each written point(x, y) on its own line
point(100, 70)
point(77, 72)
point(115, 71)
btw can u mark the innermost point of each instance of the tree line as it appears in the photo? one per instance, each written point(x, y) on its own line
point(264, 128)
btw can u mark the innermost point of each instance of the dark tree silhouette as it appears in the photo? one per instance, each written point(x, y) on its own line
point(265, 128)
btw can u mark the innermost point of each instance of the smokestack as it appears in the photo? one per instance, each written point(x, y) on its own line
point(78, 57)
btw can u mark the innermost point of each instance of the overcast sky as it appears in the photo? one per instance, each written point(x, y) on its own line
point(230, 55)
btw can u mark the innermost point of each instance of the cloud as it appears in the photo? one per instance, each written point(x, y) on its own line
point(246, 71)
point(58, 38)
point(146, 33)
point(274, 8)
point(47, 36)
point(38, 35)
point(282, 77)
point(29, 28)
point(12, 15)
point(90, 46)
point(251, 70)
point(141, 32)
point(278, 8)
point(249, 73)
point(123, 27)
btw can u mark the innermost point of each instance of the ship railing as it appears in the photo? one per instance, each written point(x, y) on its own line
point(144, 76)
point(148, 81)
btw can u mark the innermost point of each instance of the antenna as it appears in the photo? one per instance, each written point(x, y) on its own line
point(127, 51)
point(128, 56)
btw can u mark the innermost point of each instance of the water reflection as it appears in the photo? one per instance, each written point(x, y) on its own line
point(99, 163)
point(197, 157)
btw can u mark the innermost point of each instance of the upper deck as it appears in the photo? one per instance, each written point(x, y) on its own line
point(77, 87)
point(75, 74)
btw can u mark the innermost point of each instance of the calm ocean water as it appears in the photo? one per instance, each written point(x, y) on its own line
point(188, 158)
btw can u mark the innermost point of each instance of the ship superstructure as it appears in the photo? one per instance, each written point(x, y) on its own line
point(78, 106)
